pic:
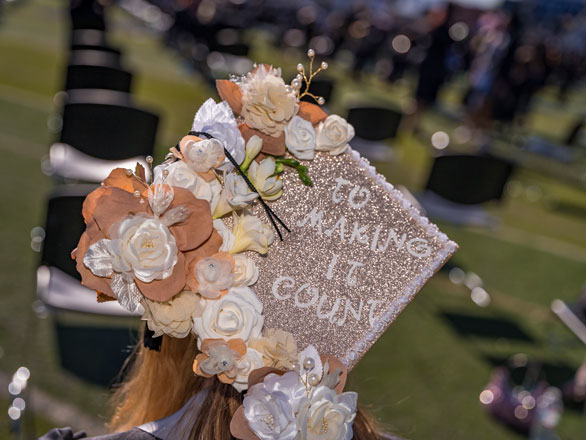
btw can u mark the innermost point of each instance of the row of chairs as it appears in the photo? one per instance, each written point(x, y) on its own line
point(101, 128)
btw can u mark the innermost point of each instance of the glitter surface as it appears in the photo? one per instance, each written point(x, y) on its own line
point(331, 282)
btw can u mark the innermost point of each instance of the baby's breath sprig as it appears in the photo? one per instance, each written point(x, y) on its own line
point(304, 77)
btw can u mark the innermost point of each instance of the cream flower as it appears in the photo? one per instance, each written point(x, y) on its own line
point(300, 138)
point(245, 271)
point(250, 234)
point(236, 195)
point(218, 121)
point(213, 274)
point(333, 135)
point(262, 177)
point(173, 317)
point(181, 175)
point(266, 103)
point(253, 148)
point(246, 365)
point(228, 238)
point(143, 247)
point(202, 156)
point(270, 406)
point(236, 315)
point(278, 348)
point(325, 415)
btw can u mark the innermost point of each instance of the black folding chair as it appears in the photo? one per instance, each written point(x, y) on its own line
point(372, 126)
point(95, 56)
point(375, 123)
point(320, 87)
point(458, 186)
point(86, 76)
point(87, 14)
point(112, 330)
point(101, 130)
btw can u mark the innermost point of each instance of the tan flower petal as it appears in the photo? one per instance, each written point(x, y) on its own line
point(270, 145)
point(88, 279)
point(198, 227)
point(231, 93)
point(238, 345)
point(119, 179)
point(196, 365)
point(228, 379)
point(239, 426)
point(311, 112)
point(335, 363)
point(164, 290)
point(258, 375)
point(110, 205)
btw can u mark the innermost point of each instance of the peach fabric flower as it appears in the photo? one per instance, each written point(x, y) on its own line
point(212, 276)
point(219, 358)
point(120, 210)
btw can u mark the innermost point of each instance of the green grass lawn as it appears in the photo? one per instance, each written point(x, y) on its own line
point(422, 379)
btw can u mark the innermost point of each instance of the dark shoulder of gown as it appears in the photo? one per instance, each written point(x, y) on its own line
point(68, 434)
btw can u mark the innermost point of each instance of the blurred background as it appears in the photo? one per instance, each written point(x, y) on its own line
point(476, 109)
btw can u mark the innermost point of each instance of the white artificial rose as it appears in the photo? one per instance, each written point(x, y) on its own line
point(218, 121)
point(202, 156)
point(245, 271)
point(300, 138)
point(326, 415)
point(143, 247)
point(173, 317)
point(333, 135)
point(267, 105)
point(236, 315)
point(213, 275)
point(250, 234)
point(262, 175)
point(270, 406)
point(180, 175)
point(246, 365)
point(228, 238)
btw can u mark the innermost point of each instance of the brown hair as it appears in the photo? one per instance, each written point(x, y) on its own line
point(158, 384)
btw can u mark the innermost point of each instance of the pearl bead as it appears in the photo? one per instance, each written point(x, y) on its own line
point(324, 65)
point(165, 173)
point(149, 159)
point(321, 100)
point(313, 380)
point(310, 53)
point(129, 172)
point(295, 366)
point(288, 89)
point(299, 77)
point(137, 193)
point(308, 363)
point(296, 84)
point(300, 67)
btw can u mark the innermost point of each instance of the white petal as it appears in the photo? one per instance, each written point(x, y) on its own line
point(98, 259)
point(126, 292)
point(175, 215)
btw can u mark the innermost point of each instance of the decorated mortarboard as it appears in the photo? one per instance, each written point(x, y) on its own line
point(273, 242)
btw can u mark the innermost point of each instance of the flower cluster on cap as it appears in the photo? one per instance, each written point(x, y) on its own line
point(176, 249)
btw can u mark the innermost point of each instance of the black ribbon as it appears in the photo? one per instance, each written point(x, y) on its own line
point(151, 342)
point(270, 214)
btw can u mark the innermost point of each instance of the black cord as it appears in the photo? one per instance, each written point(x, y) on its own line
point(270, 213)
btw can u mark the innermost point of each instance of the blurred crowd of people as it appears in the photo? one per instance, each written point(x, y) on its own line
point(507, 54)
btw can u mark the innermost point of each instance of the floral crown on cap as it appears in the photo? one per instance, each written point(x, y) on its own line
point(180, 250)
